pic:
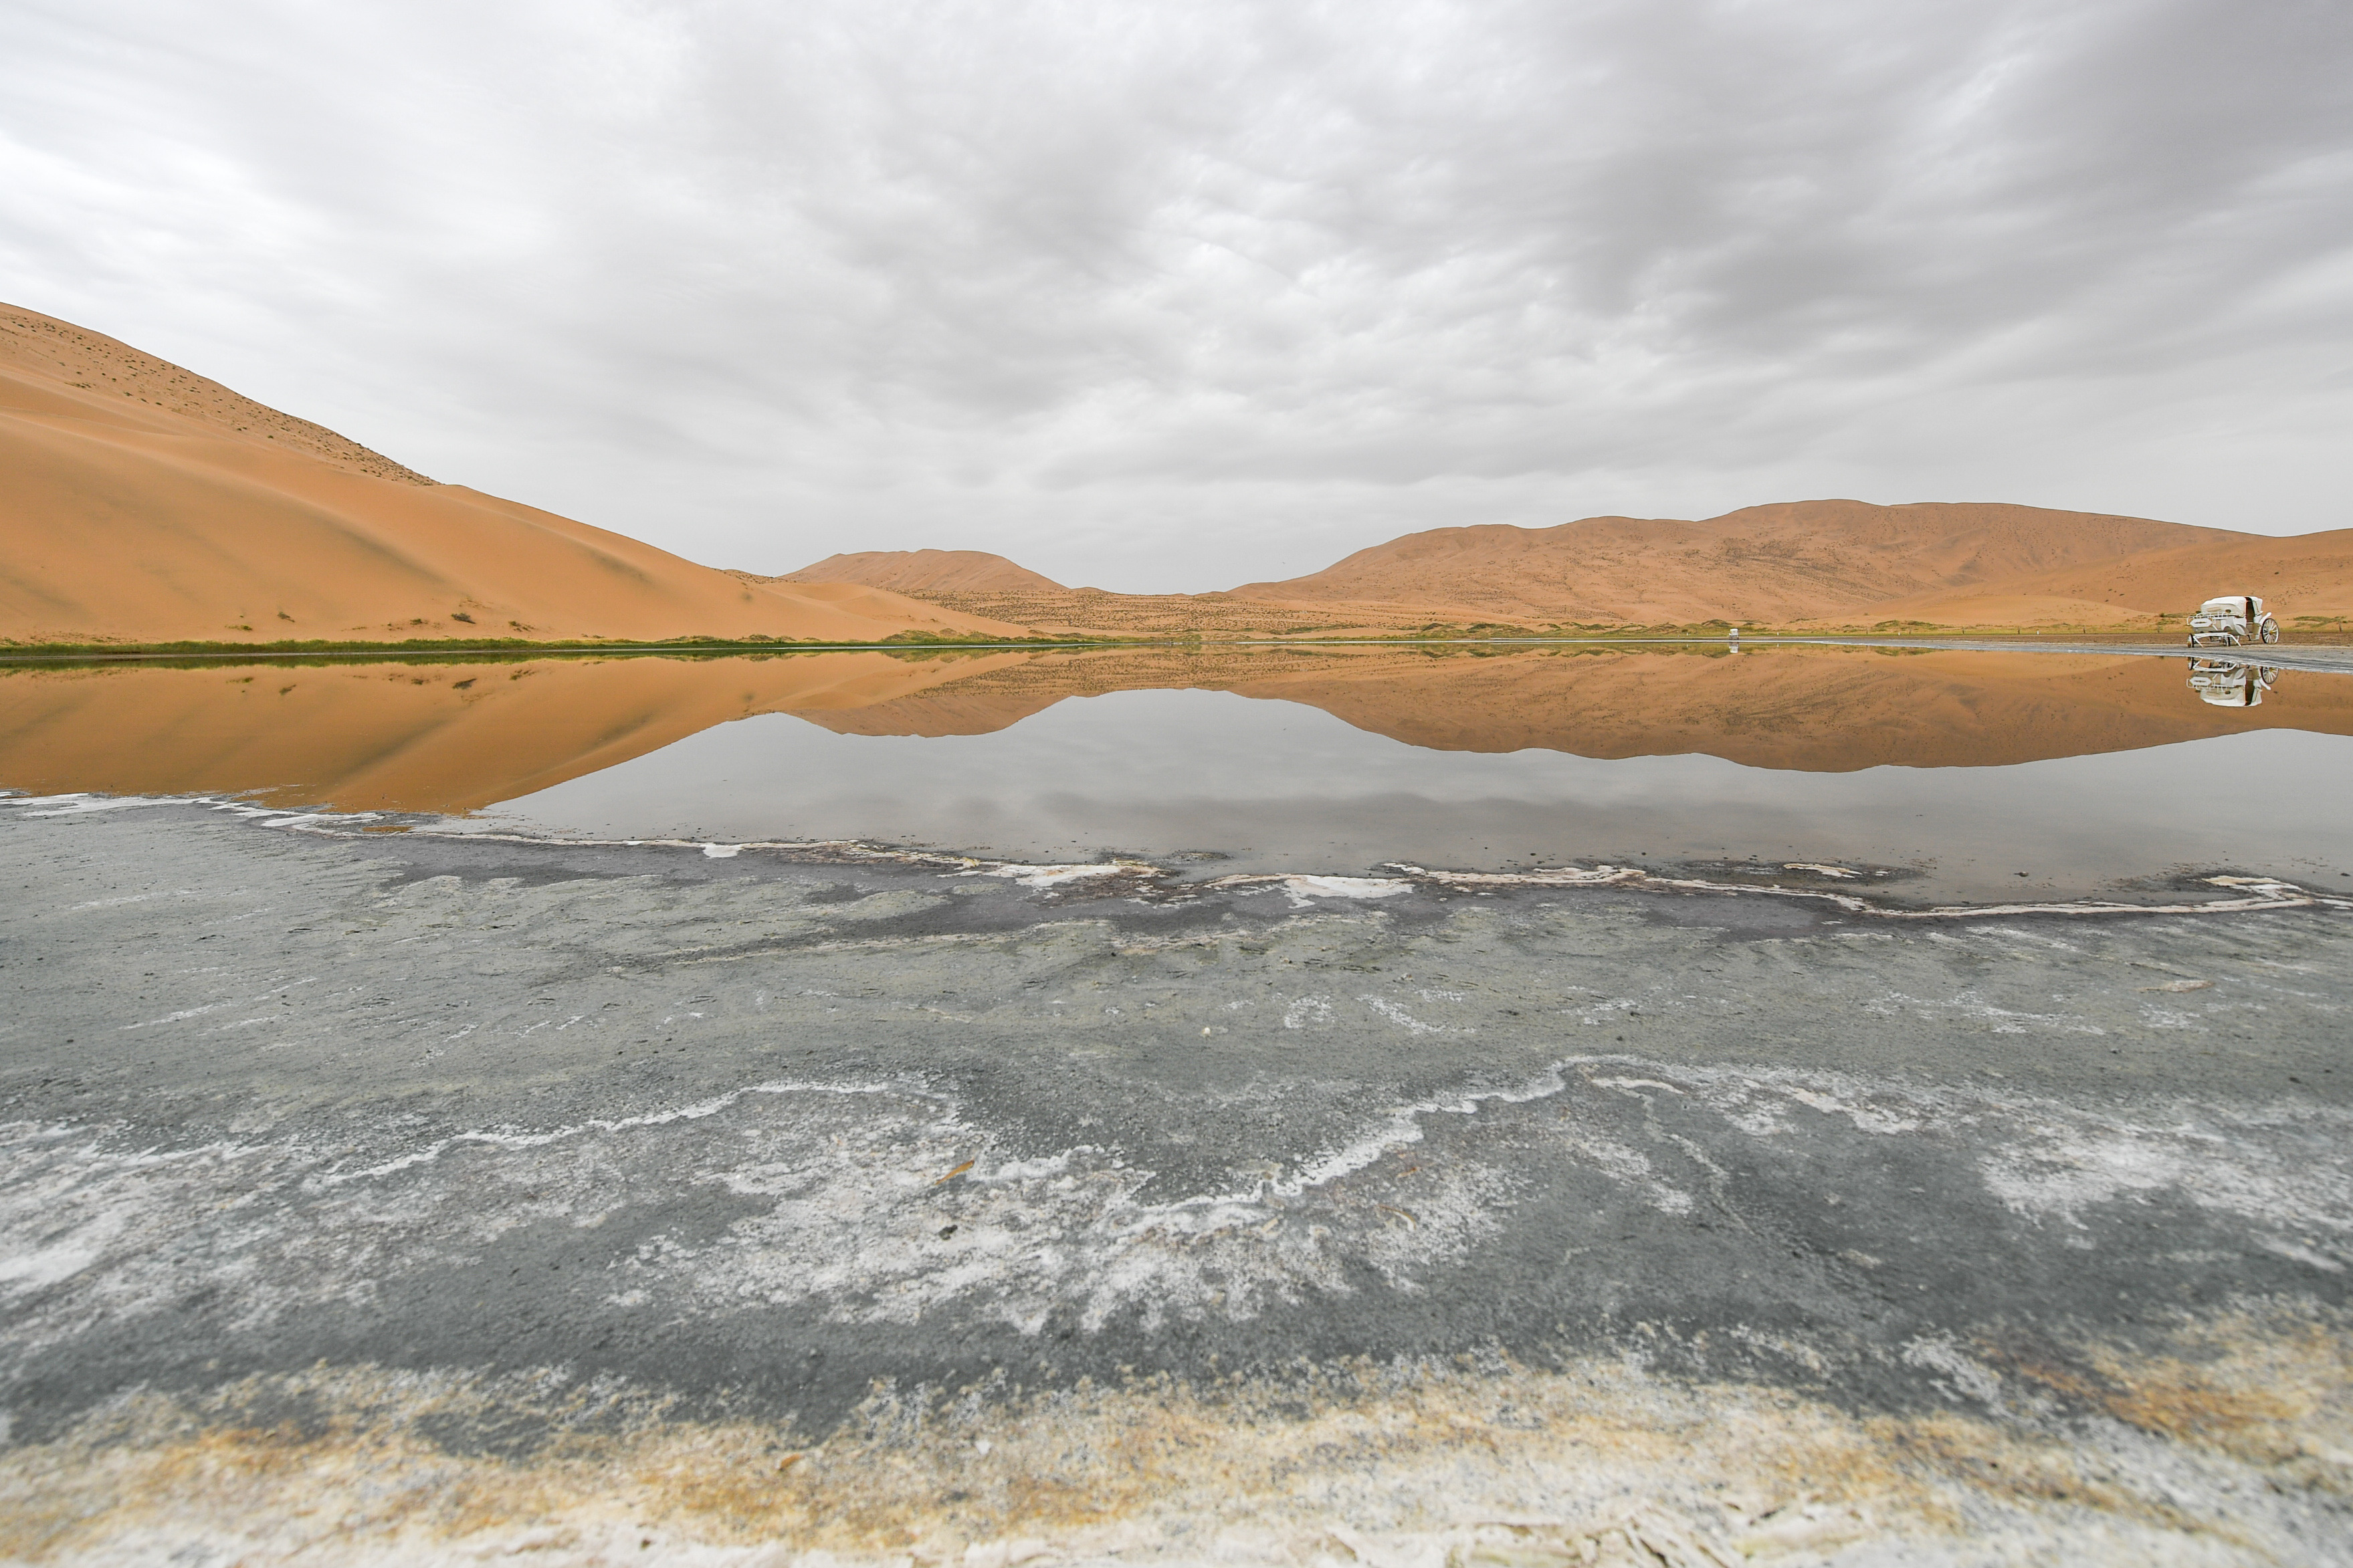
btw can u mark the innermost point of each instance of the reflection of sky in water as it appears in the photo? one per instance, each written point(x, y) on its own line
point(1280, 786)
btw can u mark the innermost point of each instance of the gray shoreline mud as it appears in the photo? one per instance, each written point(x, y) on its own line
point(762, 1200)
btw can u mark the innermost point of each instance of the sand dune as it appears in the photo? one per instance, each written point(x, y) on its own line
point(922, 572)
point(144, 503)
point(43, 348)
point(1797, 564)
point(1779, 564)
point(2309, 575)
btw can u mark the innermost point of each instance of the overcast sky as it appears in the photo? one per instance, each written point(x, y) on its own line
point(1178, 293)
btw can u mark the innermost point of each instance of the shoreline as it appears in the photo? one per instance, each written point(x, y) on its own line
point(2309, 653)
point(549, 1170)
point(1147, 880)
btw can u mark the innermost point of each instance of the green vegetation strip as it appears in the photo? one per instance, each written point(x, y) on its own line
point(1432, 636)
point(898, 642)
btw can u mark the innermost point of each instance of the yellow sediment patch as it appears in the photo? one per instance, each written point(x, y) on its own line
point(2232, 1450)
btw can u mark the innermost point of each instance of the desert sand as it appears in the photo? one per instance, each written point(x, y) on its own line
point(2308, 578)
point(922, 571)
point(1779, 565)
point(144, 503)
point(1823, 563)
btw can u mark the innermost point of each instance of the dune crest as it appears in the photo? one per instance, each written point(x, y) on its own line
point(144, 503)
point(45, 348)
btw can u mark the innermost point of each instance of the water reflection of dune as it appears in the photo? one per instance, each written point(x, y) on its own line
point(1810, 709)
point(455, 737)
point(407, 736)
point(1813, 710)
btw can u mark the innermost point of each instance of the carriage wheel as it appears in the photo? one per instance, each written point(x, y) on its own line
point(2271, 629)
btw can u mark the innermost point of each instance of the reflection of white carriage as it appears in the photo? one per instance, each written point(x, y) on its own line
point(2232, 620)
point(2227, 683)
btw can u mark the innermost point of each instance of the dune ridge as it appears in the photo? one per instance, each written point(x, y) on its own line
point(144, 503)
point(1785, 564)
point(1816, 564)
point(44, 347)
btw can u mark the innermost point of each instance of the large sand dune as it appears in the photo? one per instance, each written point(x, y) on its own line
point(1826, 563)
point(144, 503)
point(1779, 564)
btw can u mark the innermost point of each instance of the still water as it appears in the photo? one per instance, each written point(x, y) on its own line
point(1960, 774)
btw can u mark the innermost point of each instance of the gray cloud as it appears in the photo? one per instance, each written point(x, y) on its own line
point(1179, 295)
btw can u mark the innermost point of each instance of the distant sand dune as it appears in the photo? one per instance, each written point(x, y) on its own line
point(922, 572)
point(1781, 565)
point(143, 503)
point(1826, 563)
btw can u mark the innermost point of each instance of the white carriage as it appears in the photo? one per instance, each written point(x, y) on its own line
point(2231, 621)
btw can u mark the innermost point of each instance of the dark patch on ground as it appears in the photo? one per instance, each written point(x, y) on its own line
point(1641, 1207)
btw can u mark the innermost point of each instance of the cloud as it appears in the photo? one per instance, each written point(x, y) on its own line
point(1182, 295)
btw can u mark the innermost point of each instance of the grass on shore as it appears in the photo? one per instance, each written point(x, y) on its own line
point(2305, 629)
point(898, 642)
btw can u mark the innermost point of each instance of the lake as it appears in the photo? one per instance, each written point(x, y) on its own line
point(1933, 773)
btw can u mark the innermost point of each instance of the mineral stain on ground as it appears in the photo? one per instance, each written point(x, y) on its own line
point(416, 1198)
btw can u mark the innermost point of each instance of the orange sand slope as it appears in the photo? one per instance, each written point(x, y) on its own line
point(143, 503)
point(1797, 564)
point(2307, 576)
point(922, 572)
point(1779, 565)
